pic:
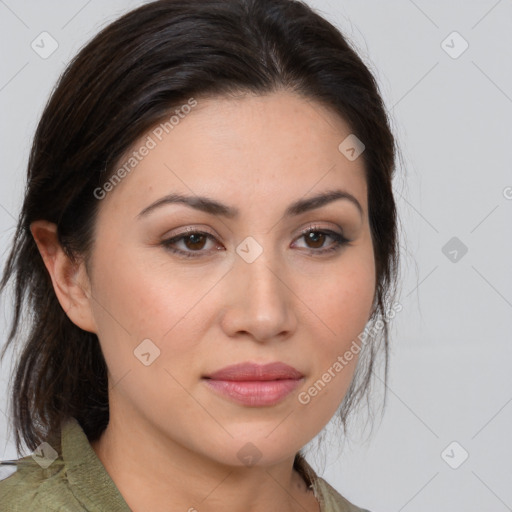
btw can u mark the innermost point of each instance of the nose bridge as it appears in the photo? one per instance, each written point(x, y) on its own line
point(262, 280)
point(261, 277)
point(260, 302)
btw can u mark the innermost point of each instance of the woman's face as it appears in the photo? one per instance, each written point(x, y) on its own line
point(183, 289)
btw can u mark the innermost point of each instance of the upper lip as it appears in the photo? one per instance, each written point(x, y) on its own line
point(255, 372)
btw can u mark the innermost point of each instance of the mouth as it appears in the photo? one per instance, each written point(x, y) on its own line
point(255, 385)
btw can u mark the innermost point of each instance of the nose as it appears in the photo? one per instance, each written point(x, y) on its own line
point(258, 301)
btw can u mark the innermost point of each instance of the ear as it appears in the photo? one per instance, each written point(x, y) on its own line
point(70, 280)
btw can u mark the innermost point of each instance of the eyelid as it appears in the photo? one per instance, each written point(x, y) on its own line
point(175, 237)
point(336, 234)
point(339, 241)
point(315, 226)
point(190, 230)
point(196, 229)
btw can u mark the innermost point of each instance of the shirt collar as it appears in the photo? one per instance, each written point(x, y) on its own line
point(88, 478)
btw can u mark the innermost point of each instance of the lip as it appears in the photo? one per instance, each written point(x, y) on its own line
point(253, 384)
point(256, 372)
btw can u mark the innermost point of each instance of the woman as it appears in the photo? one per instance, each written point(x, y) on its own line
point(208, 248)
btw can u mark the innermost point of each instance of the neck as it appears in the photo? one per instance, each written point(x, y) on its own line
point(159, 474)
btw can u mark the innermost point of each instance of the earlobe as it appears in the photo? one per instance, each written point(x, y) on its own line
point(69, 278)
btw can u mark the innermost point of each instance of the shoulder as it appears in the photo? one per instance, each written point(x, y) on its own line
point(331, 500)
point(33, 488)
point(71, 479)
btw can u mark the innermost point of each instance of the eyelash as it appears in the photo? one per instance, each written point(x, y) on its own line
point(339, 242)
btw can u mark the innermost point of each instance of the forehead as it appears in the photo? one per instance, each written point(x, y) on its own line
point(242, 150)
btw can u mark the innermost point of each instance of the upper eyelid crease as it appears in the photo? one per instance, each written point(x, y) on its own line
point(213, 207)
point(309, 229)
point(200, 231)
point(339, 239)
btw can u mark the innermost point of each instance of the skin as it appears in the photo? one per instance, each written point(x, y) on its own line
point(170, 438)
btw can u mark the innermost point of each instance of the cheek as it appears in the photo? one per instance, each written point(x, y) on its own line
point(136, 300)
point(341, 306)
point(132, 297)
point(136, 304)
point(344, 295)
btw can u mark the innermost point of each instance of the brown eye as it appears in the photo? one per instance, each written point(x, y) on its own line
point(315, 239)
point(190, 244)
point(195, 241)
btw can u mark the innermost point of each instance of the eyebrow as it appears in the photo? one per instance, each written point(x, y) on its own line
point(208, 205)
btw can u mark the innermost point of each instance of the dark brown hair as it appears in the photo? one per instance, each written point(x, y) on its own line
point(121, 84)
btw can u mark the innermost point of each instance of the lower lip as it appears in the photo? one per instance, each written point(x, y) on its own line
point(255, 393)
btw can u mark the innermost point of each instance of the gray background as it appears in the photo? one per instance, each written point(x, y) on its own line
point(450, 376)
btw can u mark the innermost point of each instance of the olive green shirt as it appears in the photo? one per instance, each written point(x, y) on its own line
point(76, 481)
